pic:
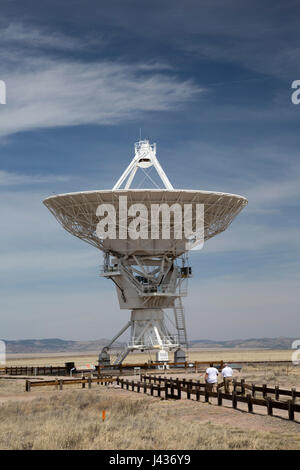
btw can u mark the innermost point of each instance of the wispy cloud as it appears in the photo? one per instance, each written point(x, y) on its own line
point(254, 238)
point(8, 178)
point(45, 92)
point(21, 35)
point(284, 191)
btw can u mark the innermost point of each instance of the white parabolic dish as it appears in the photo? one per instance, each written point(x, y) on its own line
point(76, 212)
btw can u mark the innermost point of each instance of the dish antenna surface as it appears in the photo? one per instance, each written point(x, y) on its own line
point(147, 263)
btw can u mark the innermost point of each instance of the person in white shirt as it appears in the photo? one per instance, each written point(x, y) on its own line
point(227, 374)
point(211, 378)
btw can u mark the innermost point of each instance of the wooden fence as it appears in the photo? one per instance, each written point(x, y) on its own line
point(60, 383)
point(263, 389)
point(35, 370)
point(173, 389)
point(194, 366)
point(169, 388)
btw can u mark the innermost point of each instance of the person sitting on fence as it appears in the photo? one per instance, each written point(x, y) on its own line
point(211, 378)
point(227, 374)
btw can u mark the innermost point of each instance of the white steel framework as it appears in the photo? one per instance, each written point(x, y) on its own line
point(145, 156)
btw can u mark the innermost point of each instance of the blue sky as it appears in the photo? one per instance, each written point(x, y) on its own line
point(210, 82)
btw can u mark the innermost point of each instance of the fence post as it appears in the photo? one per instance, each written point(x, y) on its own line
point(28, 386)
point(234, 400)
point(127, 384)
point(166, 390)
point(291, 410)
point(83, 383)
point(61, 384)
point(234, 385)
point(253, 390)
point(264, 392)
point(206, 396)
point(293, 394)
point(178, 389)
point(188, 394)
point(138, 387)
point(172, 388)
point(219, 397)
point(249, 402)
point(151, 389)
point(243, 386)
point(190, 387)
point(158, 390)
point(89, 382)
point(132, 385)
point(276, 392)
point(269, 406)
point(145, 388)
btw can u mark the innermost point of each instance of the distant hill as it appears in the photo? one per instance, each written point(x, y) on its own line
point(61, 345)
point(54, 345)
point(257, 343)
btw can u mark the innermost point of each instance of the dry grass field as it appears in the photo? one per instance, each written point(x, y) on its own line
point(71, 419)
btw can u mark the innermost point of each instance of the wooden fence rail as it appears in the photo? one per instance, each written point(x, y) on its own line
point(38, 370)
point(59, 383)
point(174, 388)
point(264, 389)
point(188, 365)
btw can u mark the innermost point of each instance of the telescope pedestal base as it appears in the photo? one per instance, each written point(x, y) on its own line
point(149, 331)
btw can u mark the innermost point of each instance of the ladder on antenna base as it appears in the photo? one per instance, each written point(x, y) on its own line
point(180, 322)
point(121, 356)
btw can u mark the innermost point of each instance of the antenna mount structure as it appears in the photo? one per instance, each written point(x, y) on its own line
point(144, 157)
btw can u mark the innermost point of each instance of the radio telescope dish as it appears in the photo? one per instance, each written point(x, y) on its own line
point(150, 272)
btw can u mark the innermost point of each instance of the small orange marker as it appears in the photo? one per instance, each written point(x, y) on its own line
point(103, 415)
